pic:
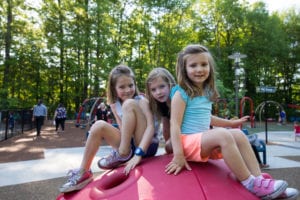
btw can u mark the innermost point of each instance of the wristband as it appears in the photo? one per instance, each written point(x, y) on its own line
point(139, 152)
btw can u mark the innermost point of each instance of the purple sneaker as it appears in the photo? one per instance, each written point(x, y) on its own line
point(268, 188)
point(289, 194)
point(113, 160)
point(78, 179)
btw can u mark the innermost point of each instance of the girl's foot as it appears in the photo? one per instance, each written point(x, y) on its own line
point(289, 194)
point(113, 160)
point(268, 188)
point(77, 180)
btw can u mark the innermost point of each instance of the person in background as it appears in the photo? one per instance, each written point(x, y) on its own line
point(60, 116)
point(282, 117)
point(102, 112)
point(11, 122)
point(39, 115)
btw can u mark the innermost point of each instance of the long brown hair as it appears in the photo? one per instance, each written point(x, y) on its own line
point(183, 80)
point(115, 73)
point(153, 75)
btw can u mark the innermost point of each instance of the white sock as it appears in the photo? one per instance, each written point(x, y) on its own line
point(260, 176)
point(248, 182)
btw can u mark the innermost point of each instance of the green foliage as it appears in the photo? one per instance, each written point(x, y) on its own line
point(63, 51)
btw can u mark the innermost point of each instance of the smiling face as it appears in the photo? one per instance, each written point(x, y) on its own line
point(197, 68)
point(159, 89)
point(125, 87)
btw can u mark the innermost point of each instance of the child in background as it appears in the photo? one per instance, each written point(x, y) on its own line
point(158, 86)
point(191, 136)
point(102, 112)
point(134, 139)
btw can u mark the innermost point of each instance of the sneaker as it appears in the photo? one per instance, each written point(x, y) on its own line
point(289, 194)
point(263, 166)
point(113, 160)
point(77, 180)
point(268, 188)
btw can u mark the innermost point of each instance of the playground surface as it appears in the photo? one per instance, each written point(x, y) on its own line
point(34, 168)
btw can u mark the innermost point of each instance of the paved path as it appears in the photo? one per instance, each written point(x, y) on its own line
point(58, 161)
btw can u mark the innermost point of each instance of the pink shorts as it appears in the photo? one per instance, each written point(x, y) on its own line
point(191, 144)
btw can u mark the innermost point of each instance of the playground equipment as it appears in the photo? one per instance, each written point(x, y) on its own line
point(242, 105)
point(87, 111)
point(211, 181)
point(261, 107)
point(297, 131)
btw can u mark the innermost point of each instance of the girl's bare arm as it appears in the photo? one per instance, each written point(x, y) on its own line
point(177, 111)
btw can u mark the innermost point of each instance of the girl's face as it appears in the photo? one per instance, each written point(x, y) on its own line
point(197, 68)
point(125, 88)
point(159, 89)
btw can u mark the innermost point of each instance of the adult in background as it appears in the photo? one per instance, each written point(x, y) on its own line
point(60, 116)
point(39, 114)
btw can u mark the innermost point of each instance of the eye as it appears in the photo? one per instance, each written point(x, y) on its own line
point(204, 64)
point(162, 86)
point(193, 65)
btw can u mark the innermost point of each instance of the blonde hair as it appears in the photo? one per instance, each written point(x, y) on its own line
point(183, 80)
point(116, 72)
point(158, 72)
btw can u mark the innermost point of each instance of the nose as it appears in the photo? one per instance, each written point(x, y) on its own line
point(127, 89)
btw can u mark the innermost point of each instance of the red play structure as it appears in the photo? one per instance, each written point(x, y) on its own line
point(242, 105)
point(87, 111)
point(208, 181)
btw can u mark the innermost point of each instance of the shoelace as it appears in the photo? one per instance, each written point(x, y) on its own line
point(73, 175)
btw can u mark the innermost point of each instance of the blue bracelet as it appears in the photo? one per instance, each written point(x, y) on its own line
point(139, 152)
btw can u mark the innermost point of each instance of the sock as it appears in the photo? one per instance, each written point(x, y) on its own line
point(260, 176)
point(248, 182)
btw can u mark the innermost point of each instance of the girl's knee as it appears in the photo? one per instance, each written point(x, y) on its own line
point(98, 126)
point(129, 104)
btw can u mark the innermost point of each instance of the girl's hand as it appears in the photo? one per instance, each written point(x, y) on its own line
point(237, 122)
point(134, 161)
point(176, 165)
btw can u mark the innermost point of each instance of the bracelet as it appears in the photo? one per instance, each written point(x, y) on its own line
point(139, 152)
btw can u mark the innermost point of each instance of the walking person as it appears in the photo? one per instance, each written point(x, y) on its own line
point(39, 115)
point(191, 136)
point(60, 116)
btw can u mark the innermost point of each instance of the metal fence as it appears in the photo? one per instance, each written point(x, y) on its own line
point(15, 122)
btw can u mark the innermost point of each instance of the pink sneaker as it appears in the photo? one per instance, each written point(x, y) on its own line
point(289, 194)
point(268, 188)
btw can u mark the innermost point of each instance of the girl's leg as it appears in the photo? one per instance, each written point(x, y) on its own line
point(81, 177)
point(222, 138)
point(133, 126)
point(246, 151)
point(99, 131)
